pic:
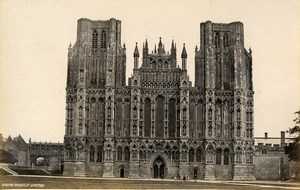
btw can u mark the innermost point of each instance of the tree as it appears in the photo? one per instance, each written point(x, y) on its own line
point(293, 149)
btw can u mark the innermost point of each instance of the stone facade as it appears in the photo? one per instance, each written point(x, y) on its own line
point(159, 126)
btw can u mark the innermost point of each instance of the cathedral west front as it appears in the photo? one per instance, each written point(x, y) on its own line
point(159, 125)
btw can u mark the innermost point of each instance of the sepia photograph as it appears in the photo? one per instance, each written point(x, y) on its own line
point(160, 94)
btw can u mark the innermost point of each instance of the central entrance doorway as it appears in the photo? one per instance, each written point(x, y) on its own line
point(195, 174)
point(159, 168)
point(122, 173)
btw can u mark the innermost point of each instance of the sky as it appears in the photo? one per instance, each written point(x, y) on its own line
point(35, 35)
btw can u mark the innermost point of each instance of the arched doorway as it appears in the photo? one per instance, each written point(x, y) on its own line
point(40, 161)
point(159, 168)
point(195, 174)
point(122, 172)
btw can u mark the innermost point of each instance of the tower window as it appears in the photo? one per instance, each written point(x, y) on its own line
point(103, 39)
point(225, 38)
point(95, 40)
point(217, 39)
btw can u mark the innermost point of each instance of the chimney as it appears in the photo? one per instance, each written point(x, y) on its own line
point(266, 135)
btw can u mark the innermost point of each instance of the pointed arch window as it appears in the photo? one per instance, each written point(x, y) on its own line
point(95, 40)
point(159, 117)
point(92, 153)
point(226, 157)
point(147, 112)
point(99, 153)
point(217, 39)
point(191, 155)
point(119, 154)
point(218, 156)
point(127, 154)
point(103, 39)
point(225, 39)
point(198, 155)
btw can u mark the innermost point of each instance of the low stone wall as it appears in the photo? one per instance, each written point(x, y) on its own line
point(271, 167)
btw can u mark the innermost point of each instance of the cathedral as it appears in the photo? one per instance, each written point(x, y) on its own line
point(159, 125)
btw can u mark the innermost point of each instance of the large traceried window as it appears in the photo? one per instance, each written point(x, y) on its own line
point(172, 117)
point(103, 39)
point(119, 117)
point(200, 118)
point(159, 117)
point(95, 40)
point(147, 112)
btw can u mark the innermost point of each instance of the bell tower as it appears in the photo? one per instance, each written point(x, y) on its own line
point(96, 67)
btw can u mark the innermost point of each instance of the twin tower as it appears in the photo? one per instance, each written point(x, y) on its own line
point(159, 126)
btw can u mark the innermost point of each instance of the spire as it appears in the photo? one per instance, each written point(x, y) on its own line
point(146, 44)
point(159, 44)
point(136, 51)
point(183, 57)
point(184, 54)
point(136, 57)
point(155, 49)
point(172, 47)
point(160, 48)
